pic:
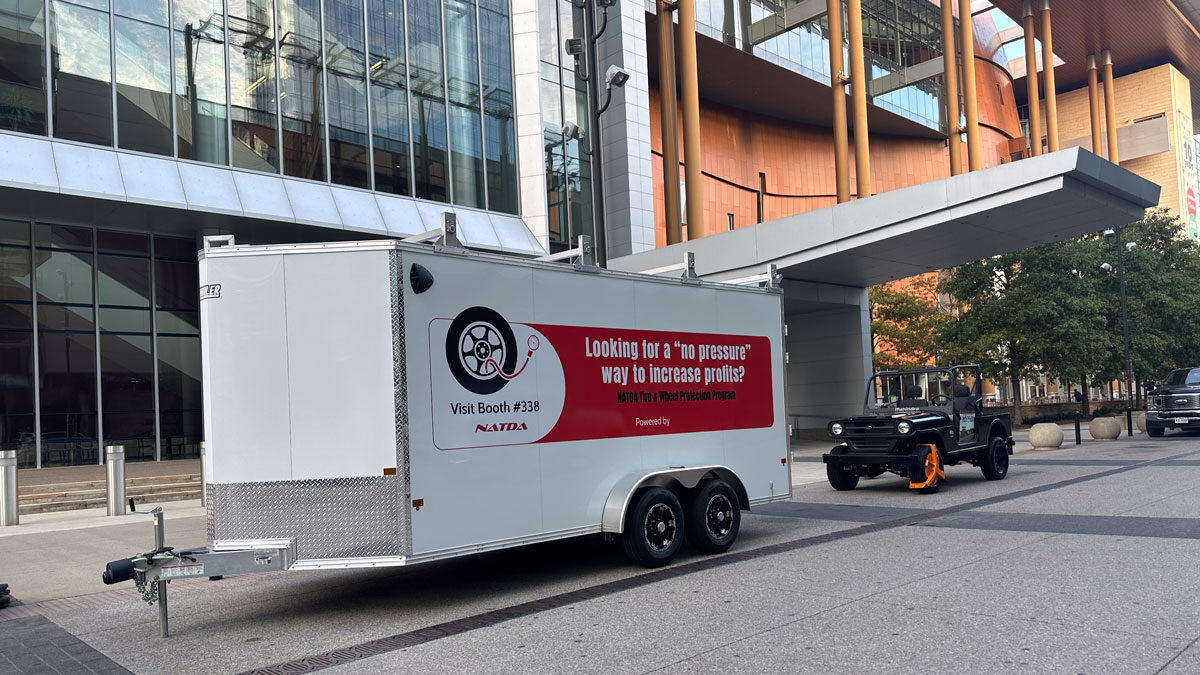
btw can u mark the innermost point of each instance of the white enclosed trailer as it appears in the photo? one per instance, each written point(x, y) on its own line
point(389, 403)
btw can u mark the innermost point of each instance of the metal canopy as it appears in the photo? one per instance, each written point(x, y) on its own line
point(60, 180)
point(926, 227)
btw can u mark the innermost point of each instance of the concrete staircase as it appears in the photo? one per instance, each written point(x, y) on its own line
point(92, 494)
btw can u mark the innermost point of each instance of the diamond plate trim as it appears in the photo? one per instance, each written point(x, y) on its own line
point(327, 517)
point(400, 394)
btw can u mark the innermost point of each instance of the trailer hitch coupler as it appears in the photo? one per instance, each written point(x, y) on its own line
point(117, 571)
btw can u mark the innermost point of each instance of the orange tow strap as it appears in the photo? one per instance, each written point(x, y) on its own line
point(933, 468)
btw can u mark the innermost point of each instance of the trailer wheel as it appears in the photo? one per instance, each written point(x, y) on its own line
point(714, 517)
point(654, 528)
point(994, 462)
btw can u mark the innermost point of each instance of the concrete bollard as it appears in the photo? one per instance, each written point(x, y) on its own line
point(1104, 428)
point(1045, 436)
point(1139, 421)
point(8, 488)
point(115, 459)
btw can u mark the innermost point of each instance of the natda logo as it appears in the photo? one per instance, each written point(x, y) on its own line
point(501, 426)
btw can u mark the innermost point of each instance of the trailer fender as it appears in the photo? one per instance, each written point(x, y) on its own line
point(613, 518)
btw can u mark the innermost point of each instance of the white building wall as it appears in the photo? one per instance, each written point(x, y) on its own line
point(531, 160)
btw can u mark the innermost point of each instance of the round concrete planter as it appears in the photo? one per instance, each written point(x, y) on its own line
point(1045, 436)
point(1139, 421)
point(1104, 428)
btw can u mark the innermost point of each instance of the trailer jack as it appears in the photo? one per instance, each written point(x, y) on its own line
point(151, 571)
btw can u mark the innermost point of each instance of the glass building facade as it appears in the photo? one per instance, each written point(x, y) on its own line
point(564, 99)
point(99, 344)
point(413, 99)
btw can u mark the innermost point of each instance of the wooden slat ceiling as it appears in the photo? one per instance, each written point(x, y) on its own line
point(1141, 34)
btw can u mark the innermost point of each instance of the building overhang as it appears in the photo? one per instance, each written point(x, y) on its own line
point(56, 181)
point(925, 227)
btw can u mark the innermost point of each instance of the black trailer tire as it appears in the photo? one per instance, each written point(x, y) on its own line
point(654, 528)
point(840, 478)
point(994, 462)
point(714, 517)
point(1155, 432)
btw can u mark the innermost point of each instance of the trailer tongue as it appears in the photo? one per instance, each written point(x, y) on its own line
point(390, 403)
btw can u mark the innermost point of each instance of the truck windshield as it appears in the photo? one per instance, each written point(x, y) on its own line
point(910, 390)
point(1184, 376)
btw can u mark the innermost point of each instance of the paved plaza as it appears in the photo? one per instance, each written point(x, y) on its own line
point(1083, 560)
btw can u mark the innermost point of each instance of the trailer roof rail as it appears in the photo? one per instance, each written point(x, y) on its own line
point(446, 235)
point(584, 252)
point(769, 279)
point(688, 266)
point(217, 241)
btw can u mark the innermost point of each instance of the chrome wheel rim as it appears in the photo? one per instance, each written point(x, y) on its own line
point(718, 516)
point(660, 527)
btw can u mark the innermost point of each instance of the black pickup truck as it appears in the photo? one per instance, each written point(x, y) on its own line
point(915, 423)
point(1174, 404)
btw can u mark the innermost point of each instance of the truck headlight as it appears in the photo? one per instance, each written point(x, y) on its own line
point(904, 427)
point(835, 429)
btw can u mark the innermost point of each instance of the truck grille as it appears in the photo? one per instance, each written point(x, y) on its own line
point(1178, 401)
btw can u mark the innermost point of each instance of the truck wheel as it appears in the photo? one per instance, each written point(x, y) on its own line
point(654, 528)
point(934, 472)
point(840, 478)
point(1155, 432)
point(714, 517)
point(994, 462)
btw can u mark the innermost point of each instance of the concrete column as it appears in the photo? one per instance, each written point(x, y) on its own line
point(950, 58)
point(858, 93)
point(1110, 108)
point(970, 102)
point(837, 84)
point(1031, 80)
point(689, 78)
point(1094, 106)
point(670, 120)
point(1048, 73)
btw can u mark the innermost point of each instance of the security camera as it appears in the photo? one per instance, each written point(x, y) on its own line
point(572, 130)
point(606, 3)
point(574, 46)
point(616, 76)
point(1106, 267)
point(1109, 232)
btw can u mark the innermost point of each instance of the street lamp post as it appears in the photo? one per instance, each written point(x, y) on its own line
point(1121, 250)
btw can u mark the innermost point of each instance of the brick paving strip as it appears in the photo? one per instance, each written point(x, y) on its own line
point(486, 619)
point(35, 644)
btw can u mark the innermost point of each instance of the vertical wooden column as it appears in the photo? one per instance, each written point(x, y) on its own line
point(1031, 80)
point(970, 102)
point(689, 79)
point(1094, 106)
point(950, 58)
point(669, 116)
point(837, 84)
point(1048, 73)
point(1110, 108)
point(858, 94)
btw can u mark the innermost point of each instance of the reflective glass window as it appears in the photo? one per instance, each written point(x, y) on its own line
point(23, 66)
point(428, 103)
point(143, 76)
point(301, 89)
point(389, 96)
point(346, 76)
point(82, 72)
point(499, 131)
point(253, 111)
point(180, 421)
point(16, 343)
point(462, 80)
point(200, 110)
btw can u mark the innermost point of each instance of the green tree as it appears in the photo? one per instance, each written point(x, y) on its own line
point(1037, 310)
point(905, 323)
